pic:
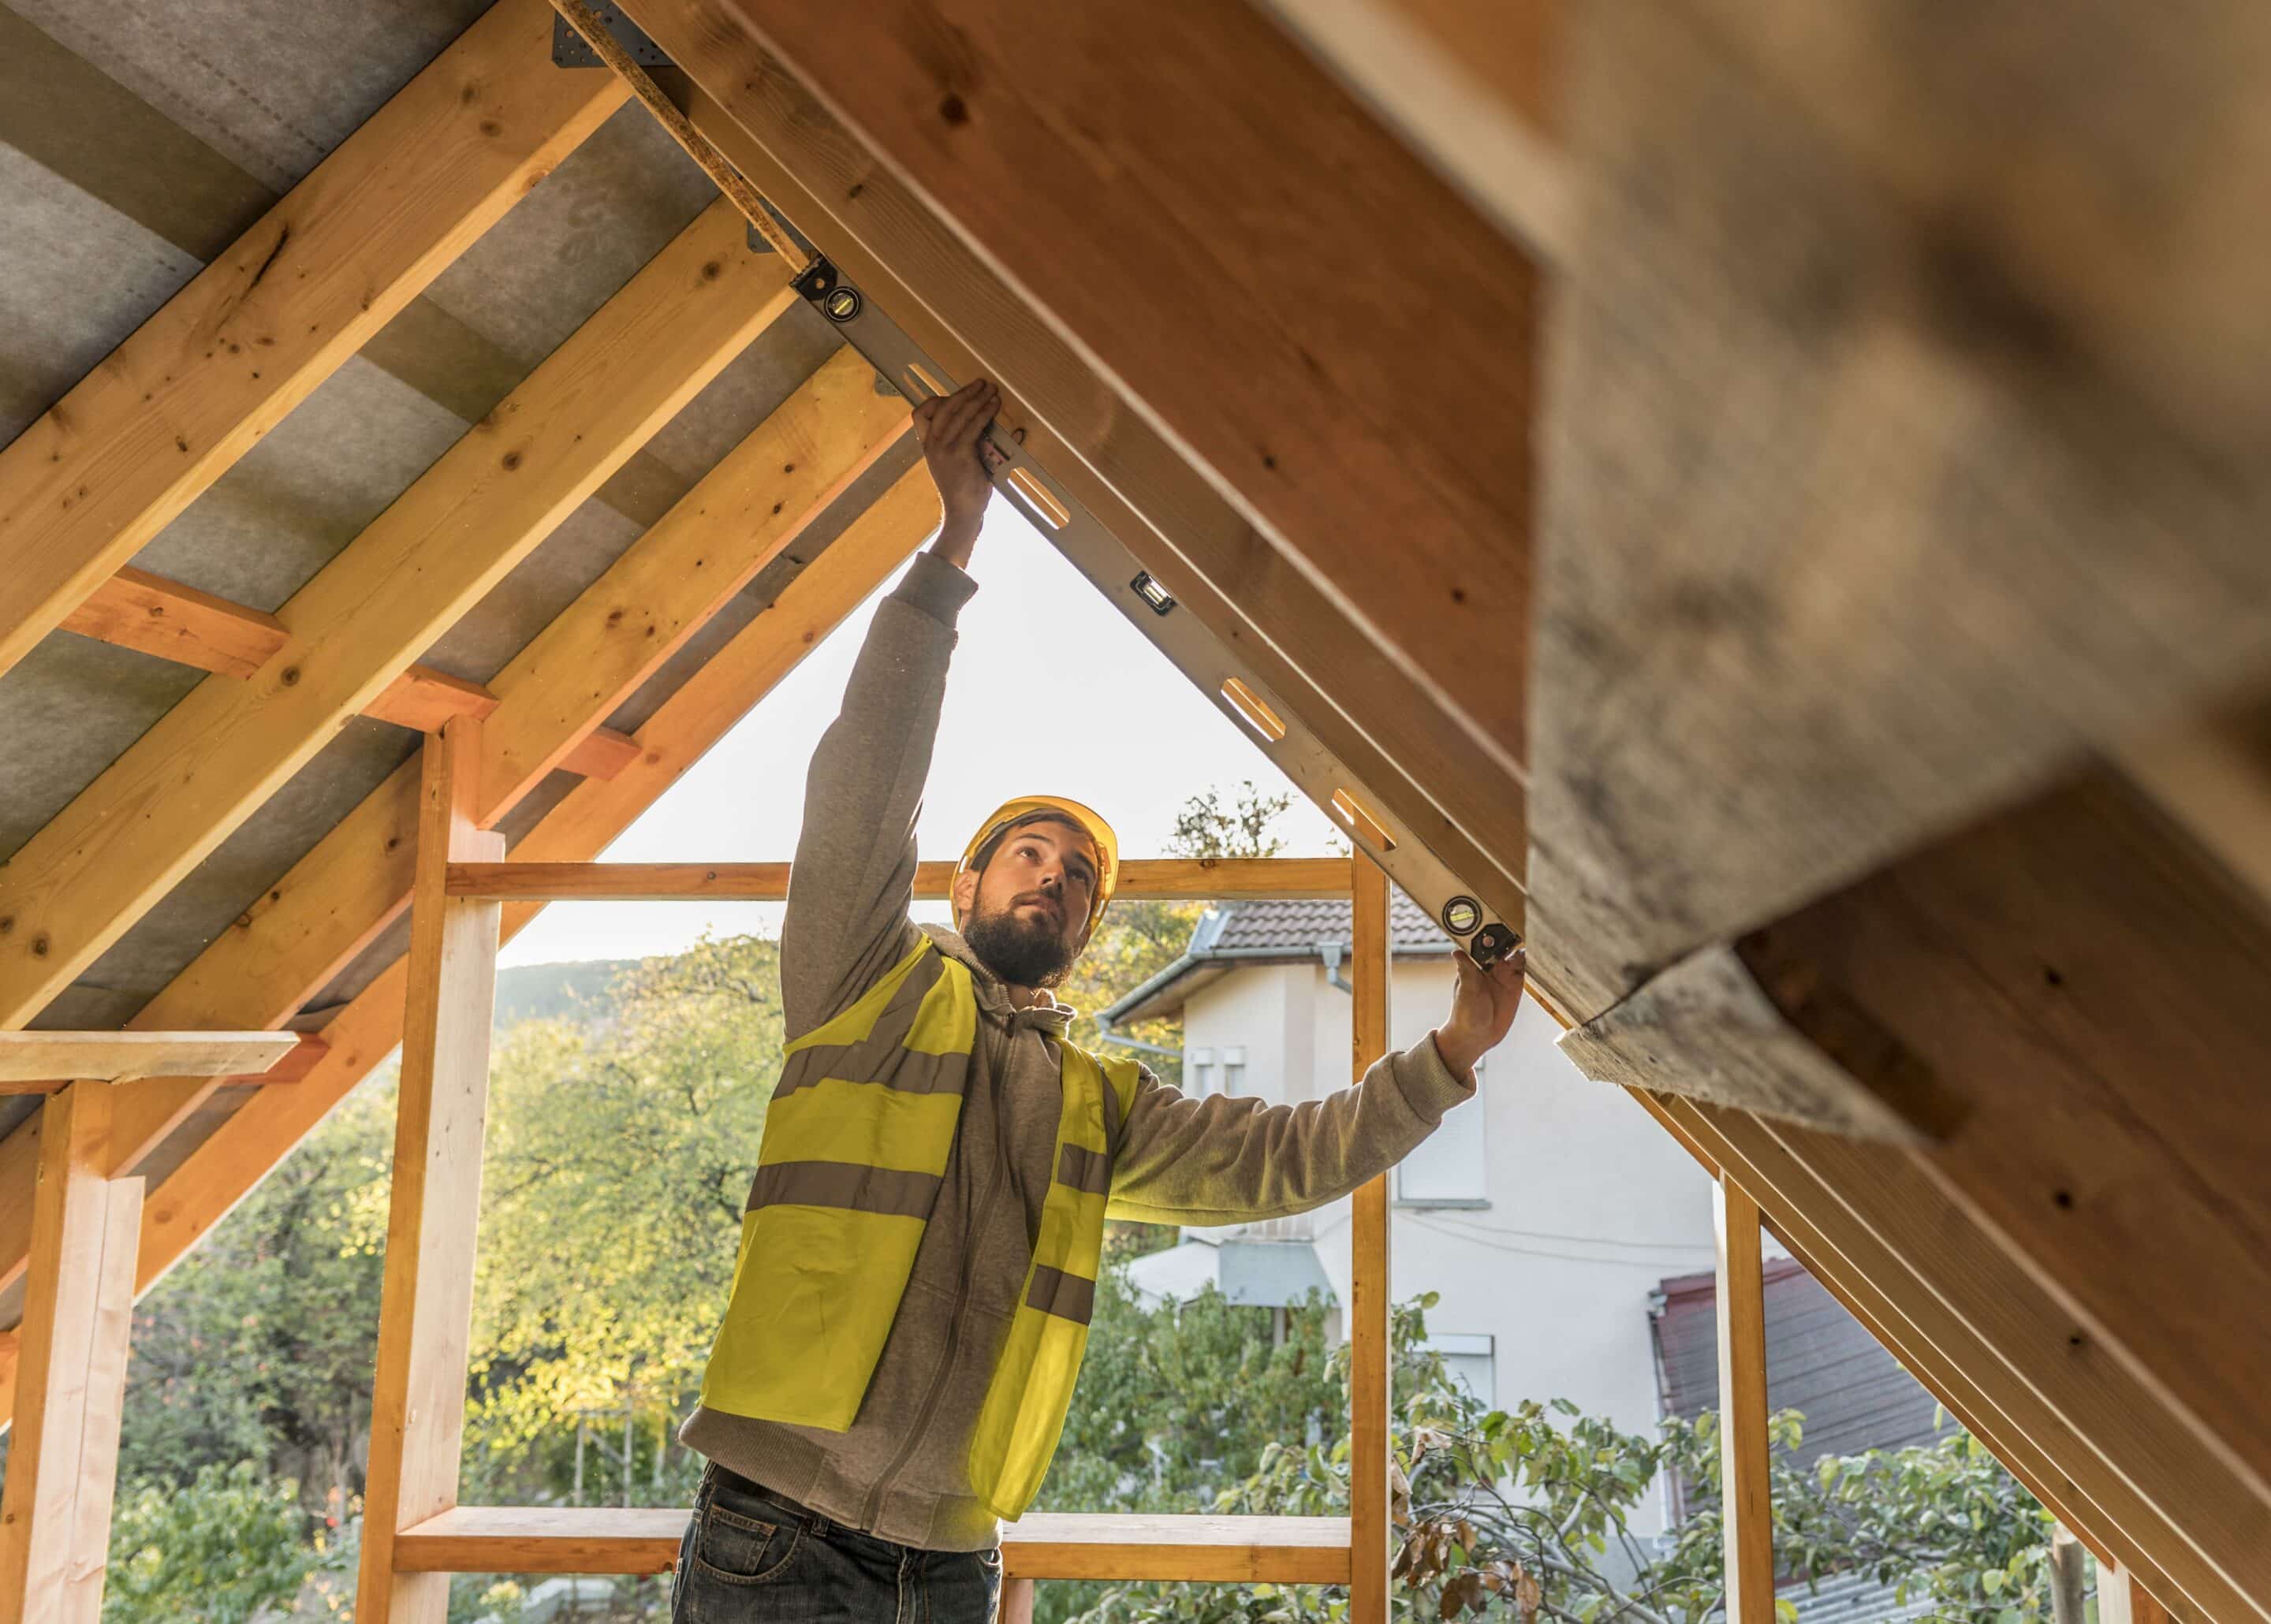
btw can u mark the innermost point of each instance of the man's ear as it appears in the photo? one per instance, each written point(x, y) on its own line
point(965, 895)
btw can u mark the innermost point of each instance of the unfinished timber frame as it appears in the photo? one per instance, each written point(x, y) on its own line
point(416, 1533)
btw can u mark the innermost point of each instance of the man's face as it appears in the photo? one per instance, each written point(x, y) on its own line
point(1027, 913)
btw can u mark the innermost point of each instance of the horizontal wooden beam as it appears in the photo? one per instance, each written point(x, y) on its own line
point(1160, 880)
point(150, 614)
point(39, 1058)
point(1227, 1550)
point(137, 610)
point(225, 360)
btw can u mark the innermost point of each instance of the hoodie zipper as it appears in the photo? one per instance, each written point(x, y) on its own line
point(978, 1229)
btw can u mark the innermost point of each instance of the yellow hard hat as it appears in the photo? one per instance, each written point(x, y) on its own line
point(1099, 832)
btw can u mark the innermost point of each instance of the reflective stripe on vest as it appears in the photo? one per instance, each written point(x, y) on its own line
point(856, 1141)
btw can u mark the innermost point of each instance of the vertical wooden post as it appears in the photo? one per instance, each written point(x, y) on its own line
point(2122, 1600)
point(2068, 1582)
point(1016, 1601)
point(70, 1380)
point(1747, 1527)
point(418, 1402)
point(1371, 1528)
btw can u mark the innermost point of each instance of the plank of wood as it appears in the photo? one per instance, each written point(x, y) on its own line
point(117, 1056)
point(1372, 1528)
point(1705, 1028)
point(1746, 1490)
point(189, 782)
point(78, 1306)
point(1398, 750)
point(222, 1169)
point(1381, 387)
point(418, 1396)
point(355, 880)
point(422, 698)
point(137, 610)
point(1178, 879)
point(1466, 82)
point(2212, 774)
point(1887, 478)
point(2090, 982)
point(225, 359)
point(1017, 1599)
point(2091, 1441)
point(1285, 1550)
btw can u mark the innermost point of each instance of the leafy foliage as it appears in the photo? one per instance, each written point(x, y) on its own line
point(1527, 1512)
point(230, 1545)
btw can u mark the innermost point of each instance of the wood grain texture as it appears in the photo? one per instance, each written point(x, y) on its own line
point(225, 359)
point(1156, 182)
point(2090, 983)
point(1746, 1501)
point(220, 1171)
point(1372, 1530)
point(137, 610)
point(1230, 1550)
point(418, 1396)
point(355, 880)
point(2093, 1441)
point(189, 782)
point(119, 1057)
point(422, 698)
point(1892, 463)
point(71, 1391)
point(1397, 747)
point(1173, 879)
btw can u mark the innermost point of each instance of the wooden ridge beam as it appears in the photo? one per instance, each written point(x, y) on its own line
point(1162, 879)
point(1404, 753)
point(153, 615)
point(2092, 1442)
point(188, 782)
point(225, 359)
point(1044, 1545)
point(1299, 363)
point(219, 1172)
point(750, 509)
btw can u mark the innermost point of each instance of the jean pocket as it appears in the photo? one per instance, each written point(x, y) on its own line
point(744, 1550)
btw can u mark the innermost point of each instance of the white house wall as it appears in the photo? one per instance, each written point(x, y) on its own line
point(1588, 1203)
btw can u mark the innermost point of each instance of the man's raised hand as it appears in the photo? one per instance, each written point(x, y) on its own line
point(947, 426)
point(1482, 1009)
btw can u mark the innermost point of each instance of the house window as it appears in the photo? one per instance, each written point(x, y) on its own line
point(1451, 1168)
point(1472, 1361)
point(1233, 1072)
point(1201, 1071)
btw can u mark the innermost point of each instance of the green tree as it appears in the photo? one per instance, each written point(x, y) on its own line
point(1527, 1513)
point(231, 1545)
point(618, 1162)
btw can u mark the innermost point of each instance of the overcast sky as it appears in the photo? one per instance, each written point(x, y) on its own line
point(1052, 690)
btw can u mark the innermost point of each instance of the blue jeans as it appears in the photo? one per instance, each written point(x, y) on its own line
point(751, 1556)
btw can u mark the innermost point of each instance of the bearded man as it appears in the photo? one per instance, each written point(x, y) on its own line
point(920, 1251)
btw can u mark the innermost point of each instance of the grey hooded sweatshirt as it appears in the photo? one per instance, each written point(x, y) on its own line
point(901, 1472)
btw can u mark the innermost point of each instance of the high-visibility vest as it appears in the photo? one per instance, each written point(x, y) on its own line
point(855, 1147)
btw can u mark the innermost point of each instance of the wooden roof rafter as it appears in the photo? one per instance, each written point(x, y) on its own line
point(231, 354)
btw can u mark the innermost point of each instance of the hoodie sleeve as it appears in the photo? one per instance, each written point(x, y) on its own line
point(1224, 1161)
point(854, 872)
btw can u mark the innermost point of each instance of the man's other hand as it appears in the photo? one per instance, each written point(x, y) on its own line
point(1482, 1009)
point(947, 426)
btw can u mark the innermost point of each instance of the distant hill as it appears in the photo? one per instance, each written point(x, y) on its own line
point(576, 990)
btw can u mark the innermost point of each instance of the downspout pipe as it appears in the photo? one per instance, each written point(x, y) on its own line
point(1331, 952)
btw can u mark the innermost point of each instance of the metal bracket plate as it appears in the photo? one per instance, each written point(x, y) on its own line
point(569, 51)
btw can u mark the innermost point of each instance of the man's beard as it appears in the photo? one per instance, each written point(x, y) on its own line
point(1023, 953)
